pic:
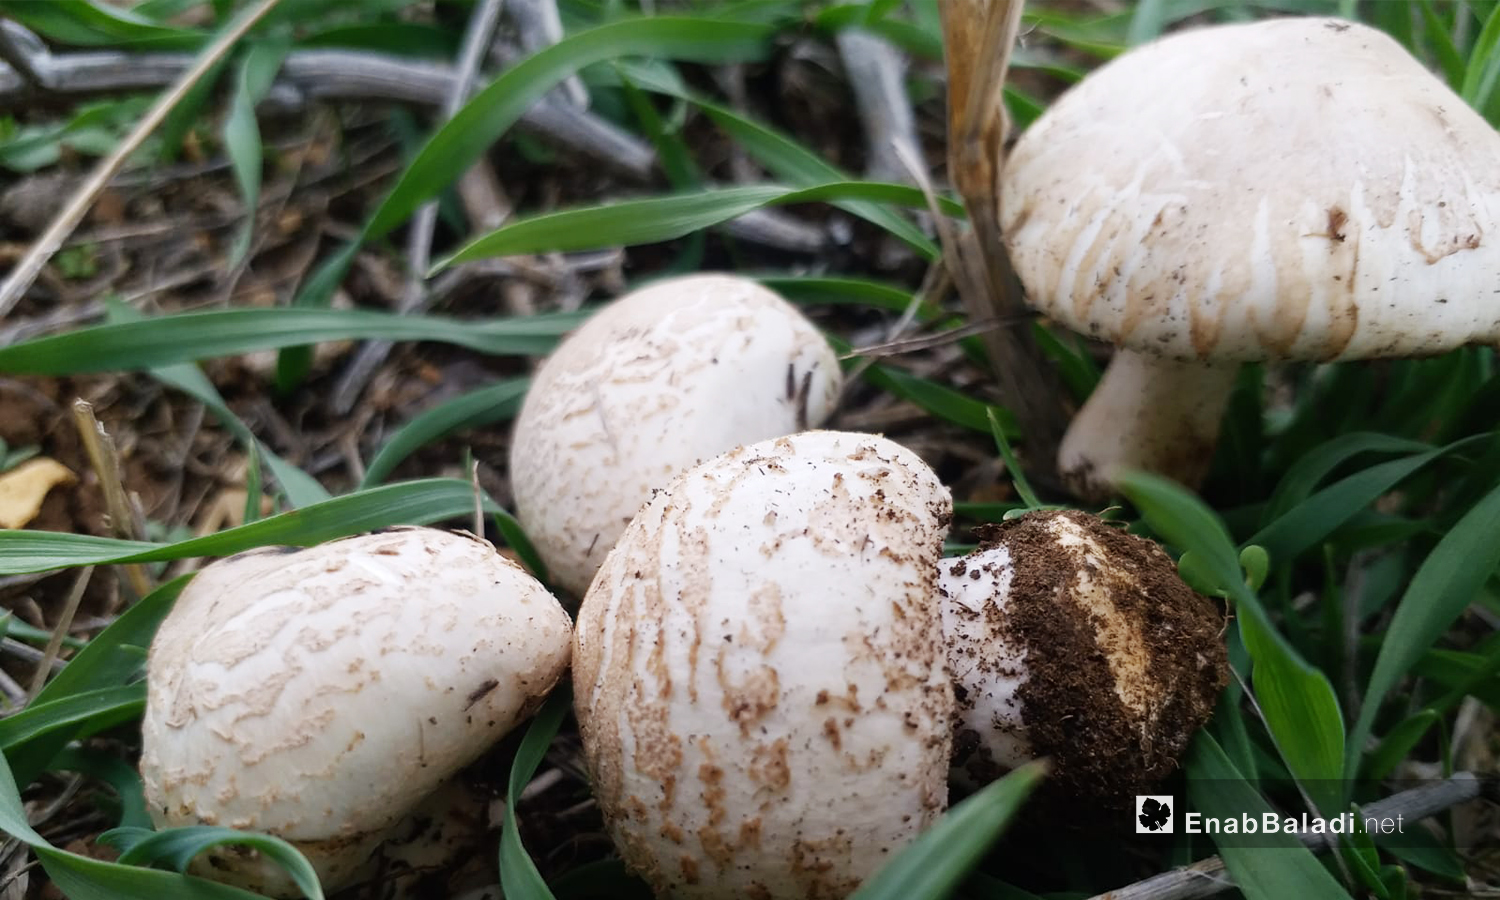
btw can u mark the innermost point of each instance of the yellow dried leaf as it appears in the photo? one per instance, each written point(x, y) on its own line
point(23, 489)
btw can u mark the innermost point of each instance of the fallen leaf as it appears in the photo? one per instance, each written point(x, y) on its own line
point(23, 489)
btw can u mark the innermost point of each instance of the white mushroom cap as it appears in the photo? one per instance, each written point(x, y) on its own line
point(1070, 639)
point(320, 694)
point(1291, 189)
point(669, 375)
point(759, 671)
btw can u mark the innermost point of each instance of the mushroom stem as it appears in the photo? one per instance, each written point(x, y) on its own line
point(1161, 415)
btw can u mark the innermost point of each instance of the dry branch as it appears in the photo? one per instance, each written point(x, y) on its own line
point(309, 76)
point(414, 296)
point(978, 36)
point(876, 72)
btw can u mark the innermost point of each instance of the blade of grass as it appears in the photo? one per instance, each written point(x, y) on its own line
point(300, 488)
point(1310, 521)
point(406, 503)
point(519, 878)
point(1017, 476)
point(656, 219)
point(784, 157)
point(938, 860)
point(1444, 586)
point(113, 771)
point(89, 24)
point(1297, 701)
point(176, 847)
point(241, 132)
point(186, 337)
point(485, 406)
point(1281, 868)
point(94, 710)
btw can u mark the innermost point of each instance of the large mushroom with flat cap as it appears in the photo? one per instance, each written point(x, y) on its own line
point(1292, 189)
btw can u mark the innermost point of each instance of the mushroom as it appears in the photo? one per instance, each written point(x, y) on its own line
point(320, 695)
point(759, 674)
point(662, 378)
point(1291, 189)
point(1071, 639)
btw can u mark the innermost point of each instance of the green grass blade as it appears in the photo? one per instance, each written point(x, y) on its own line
point(1300, 707)
point(941, 400)
point(1444, 586)
point(300, 488)
point(1279, 869)
point(937, 861)
point(1484, 65)
point(82, 878)
point(94, 710)
point(117, 653)
point(648, 221)
point(484, 406)
point(176, 847)
point(113, 771)
point(1309, 471)
point(785, 158)
point(515, 538)
point(481, 122)
point(406, 503)
point(241, 132)
point(519, 878)
point(1017, 476)
point(187, 337)
point(1308, 523)
point(847, 291)
point(1441, 42)
point(92, 24)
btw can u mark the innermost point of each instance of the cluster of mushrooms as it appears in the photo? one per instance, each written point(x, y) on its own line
point(775, 670)
point(776, 673)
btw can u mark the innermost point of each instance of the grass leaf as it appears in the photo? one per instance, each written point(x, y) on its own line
point(406, 503)
point(654, 219)
point(1278, 869)
point(1444, 586)
point(176, 847)
point(1297, 700)
point(519, 878)
point(939, 859)
point(257, 69)
point(485, 406)
point(186, 337)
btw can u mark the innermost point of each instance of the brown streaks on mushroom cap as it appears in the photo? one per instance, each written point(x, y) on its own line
point(759, 670)
point(1289, 189)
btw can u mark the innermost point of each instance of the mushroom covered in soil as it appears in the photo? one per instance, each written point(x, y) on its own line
point(1071, 639)
point(1291, 189)
point(322, 694)
point(759, 670)
point(667, 376)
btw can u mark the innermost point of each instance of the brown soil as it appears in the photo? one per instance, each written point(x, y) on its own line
point(1069, 702)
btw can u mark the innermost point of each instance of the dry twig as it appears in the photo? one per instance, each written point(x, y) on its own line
point(414, 296)
point(876, 71)
point(978, 36)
